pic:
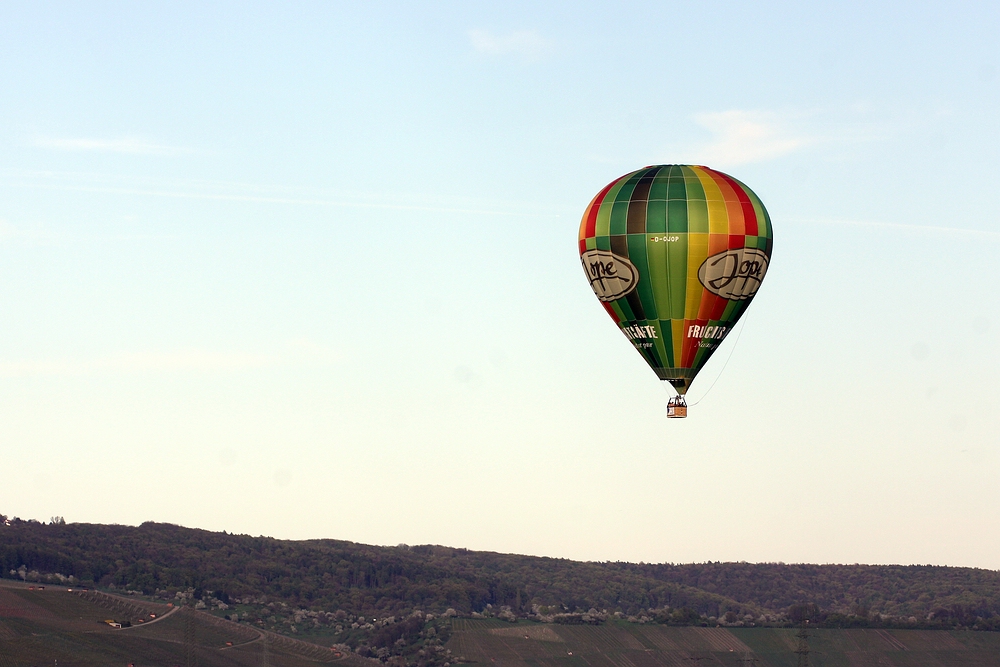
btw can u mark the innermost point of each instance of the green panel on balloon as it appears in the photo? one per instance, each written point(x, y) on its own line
point(619, 218)
point(656, 216)
point(666, 340)
point(637, 253)
point(658, 189)
point(656, 253)
point(677, 216)
point(677, 275)
point(697, 214)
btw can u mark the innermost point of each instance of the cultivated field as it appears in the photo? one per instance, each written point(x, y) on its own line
point(628, 645)
point(38, 627)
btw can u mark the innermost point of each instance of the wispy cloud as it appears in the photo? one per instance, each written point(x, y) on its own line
point(960, 232)
point(136, 362)
point(32, 235)
point(239, 192)
point(183, 360)
point(7, 230)
point(306, 349)
point(526, 44)
point(740, 137)
point(130, 145)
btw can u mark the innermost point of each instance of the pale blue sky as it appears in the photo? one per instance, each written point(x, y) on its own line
point(311, 271)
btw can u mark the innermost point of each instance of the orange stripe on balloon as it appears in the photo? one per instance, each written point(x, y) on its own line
point(717, 243)
point(749, 213)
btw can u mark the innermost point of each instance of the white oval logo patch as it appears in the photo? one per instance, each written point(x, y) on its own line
point(611, 276)
point(734, 274)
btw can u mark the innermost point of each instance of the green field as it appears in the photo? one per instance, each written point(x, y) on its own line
point(630, 645)
point(38, 627)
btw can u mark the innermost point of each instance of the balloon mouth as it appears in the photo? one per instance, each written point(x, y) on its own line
point(680, 384)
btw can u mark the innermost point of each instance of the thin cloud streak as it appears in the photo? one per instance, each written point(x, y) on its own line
point(184, 360)
point(979, 233)
point(128, 145)
point(137, 362)
point(742, 137)
point(33, 234)
point(527, 44)
point(278, 200)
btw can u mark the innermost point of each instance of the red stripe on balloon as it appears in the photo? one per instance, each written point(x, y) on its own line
point(718, 308)
point(749, 214)
point(709, 306)
point(611, 311)
point(690, 346)
point(590, 227)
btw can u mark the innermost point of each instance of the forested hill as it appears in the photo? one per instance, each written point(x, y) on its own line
point(165, 560)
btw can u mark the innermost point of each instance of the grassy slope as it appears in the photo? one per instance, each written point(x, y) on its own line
point(630, 645)
point(39, 627)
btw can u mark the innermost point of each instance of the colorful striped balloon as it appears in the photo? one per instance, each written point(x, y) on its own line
point(675, 253)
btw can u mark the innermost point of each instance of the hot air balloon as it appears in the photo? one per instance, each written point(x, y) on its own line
point(675, 253)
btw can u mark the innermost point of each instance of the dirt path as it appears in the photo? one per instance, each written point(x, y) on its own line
point(172, 610)
point(260, 635)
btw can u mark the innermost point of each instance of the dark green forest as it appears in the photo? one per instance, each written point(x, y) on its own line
point(331, 582)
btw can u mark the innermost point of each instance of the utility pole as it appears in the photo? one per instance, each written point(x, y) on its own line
point(265, 656)
point(189, 637)
point(803, 648)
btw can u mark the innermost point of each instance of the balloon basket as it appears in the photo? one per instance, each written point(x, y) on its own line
point(677, 408)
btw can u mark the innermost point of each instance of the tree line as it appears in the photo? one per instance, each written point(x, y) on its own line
point(160, 560)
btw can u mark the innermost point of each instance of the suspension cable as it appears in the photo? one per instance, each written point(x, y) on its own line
point(739, 333)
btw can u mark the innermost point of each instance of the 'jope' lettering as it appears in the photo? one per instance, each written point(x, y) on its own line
point(611, 276)
point(734, 274)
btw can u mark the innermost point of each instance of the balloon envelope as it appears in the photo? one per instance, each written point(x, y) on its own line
point(675, 254)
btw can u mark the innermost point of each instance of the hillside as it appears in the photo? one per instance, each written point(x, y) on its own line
point(40, 625)
point(389, 598)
